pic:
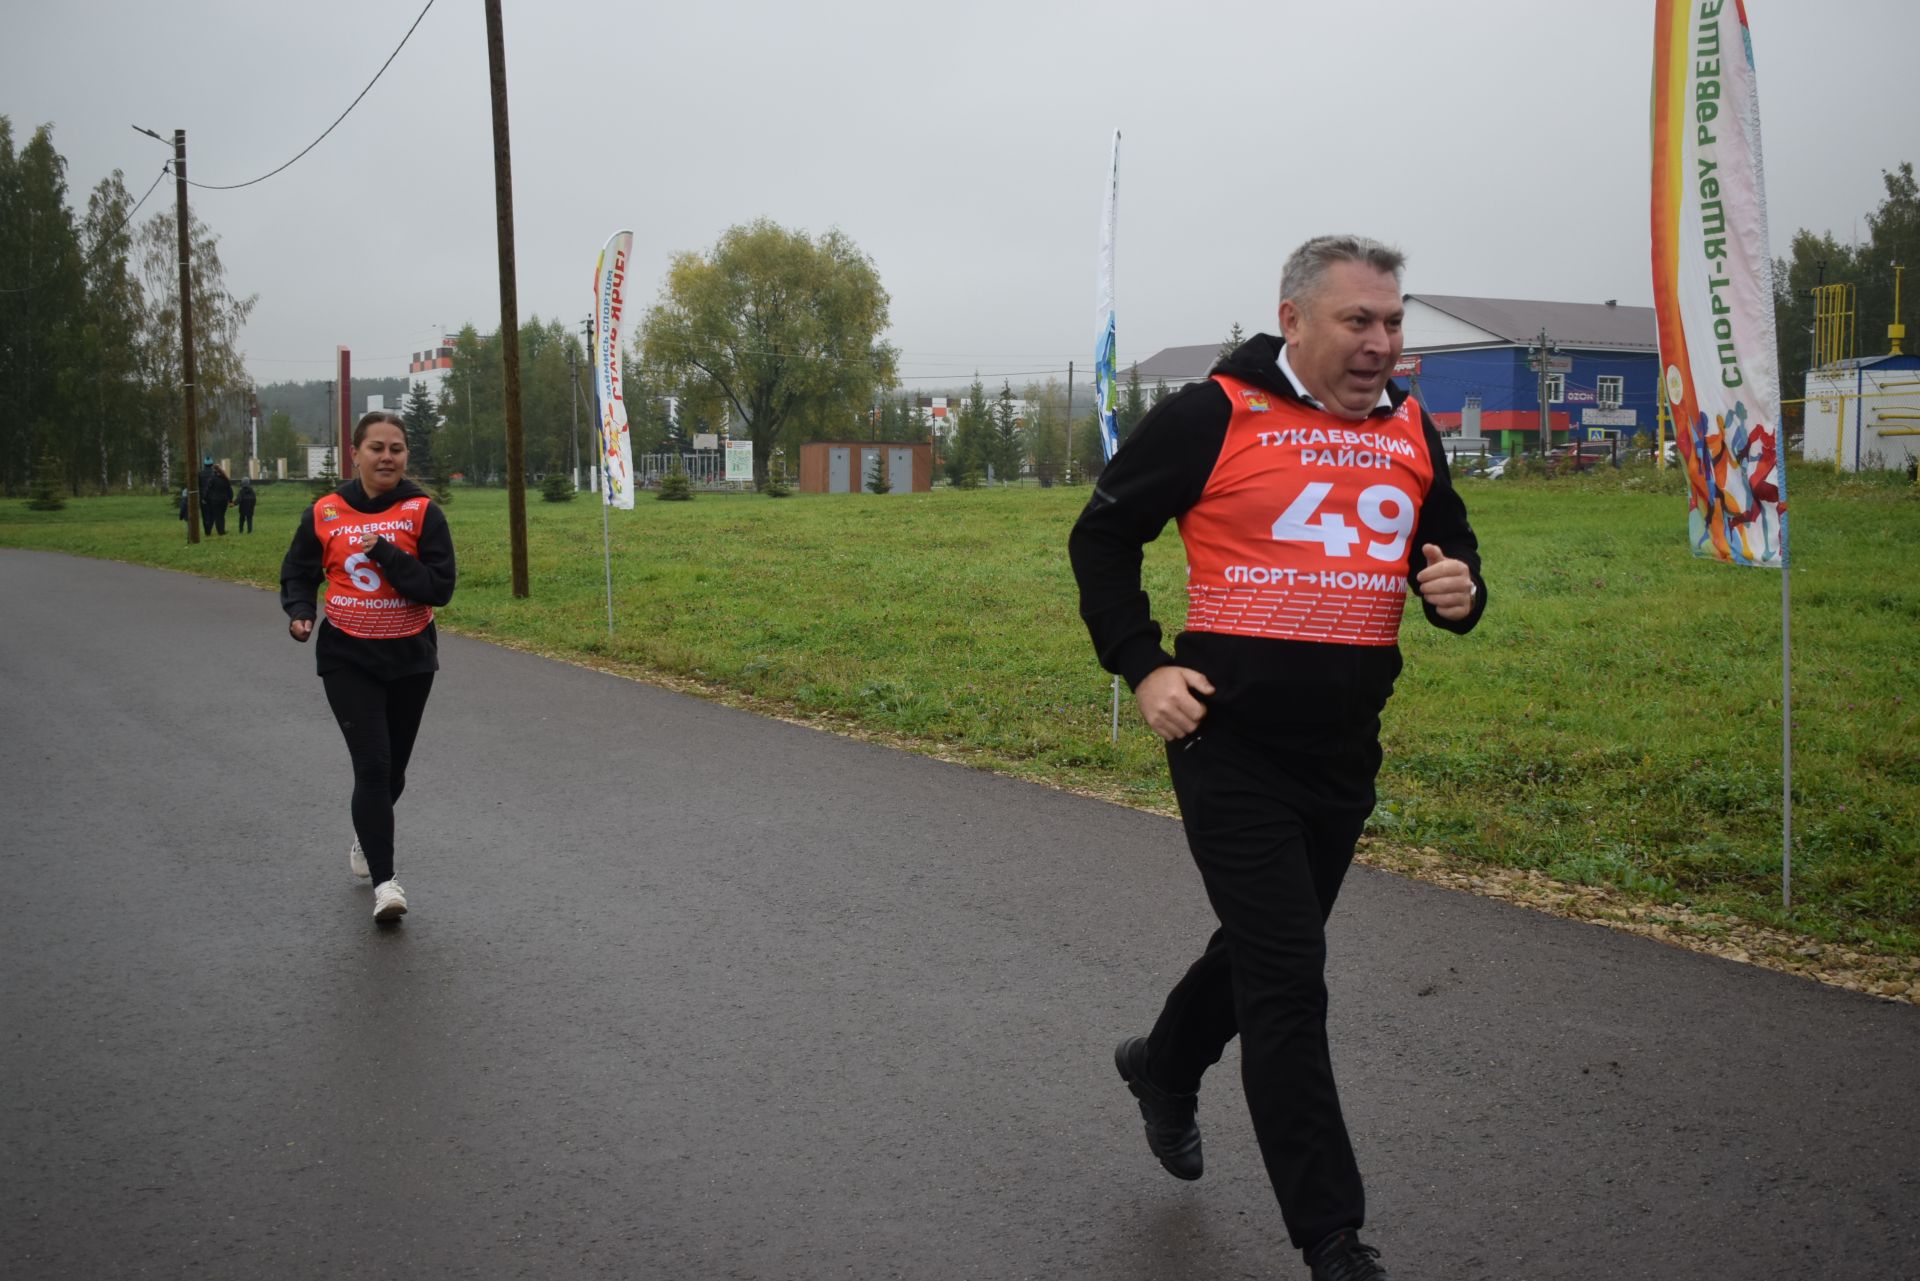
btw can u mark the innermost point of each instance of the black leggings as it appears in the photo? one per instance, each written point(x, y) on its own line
point(379, 720)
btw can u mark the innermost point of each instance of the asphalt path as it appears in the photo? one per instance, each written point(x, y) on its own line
point(689, 993)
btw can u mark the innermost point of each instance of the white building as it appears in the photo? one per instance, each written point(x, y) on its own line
point(1865, 412)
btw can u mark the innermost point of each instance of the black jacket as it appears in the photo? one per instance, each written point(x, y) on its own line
point(247, 498)
point(428, 578)
point(1303, 694)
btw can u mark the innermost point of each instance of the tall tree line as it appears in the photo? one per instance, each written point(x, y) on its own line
point(90, 331)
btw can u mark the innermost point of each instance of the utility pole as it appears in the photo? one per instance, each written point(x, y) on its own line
point(1546, 428)
point(509, 299)
point(186, 324)
point(1069, 422)
point(593, 402)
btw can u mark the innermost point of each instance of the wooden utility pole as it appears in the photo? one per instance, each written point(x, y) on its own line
point(509, 300)
point(186, 334)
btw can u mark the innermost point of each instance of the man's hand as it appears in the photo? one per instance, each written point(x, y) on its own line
point(1167, 702)
point(300, 629)
point(1447, 585)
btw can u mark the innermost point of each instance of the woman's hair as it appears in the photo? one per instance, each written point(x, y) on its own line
point(373, 416)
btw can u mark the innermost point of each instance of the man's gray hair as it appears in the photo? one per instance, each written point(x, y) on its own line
point(1306, 270)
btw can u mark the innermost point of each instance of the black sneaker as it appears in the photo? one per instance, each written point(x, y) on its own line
point(1341, 1257)
point(1172, 1133)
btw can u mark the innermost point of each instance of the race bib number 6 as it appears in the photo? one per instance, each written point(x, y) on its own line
point(360, 569)
point(1383, 509)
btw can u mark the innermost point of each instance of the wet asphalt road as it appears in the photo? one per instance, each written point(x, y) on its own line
point(686, 993)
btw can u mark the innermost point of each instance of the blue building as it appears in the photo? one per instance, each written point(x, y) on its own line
point(1467, 360)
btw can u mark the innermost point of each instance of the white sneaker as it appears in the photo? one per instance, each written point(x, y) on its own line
point(357, 859)
point(389, 901)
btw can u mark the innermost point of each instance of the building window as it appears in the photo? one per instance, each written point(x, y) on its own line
point(1609, 390)
point(1556, 388)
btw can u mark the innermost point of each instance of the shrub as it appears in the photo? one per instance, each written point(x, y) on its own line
point(777, 486)
point(557, 487)
point(674, 486)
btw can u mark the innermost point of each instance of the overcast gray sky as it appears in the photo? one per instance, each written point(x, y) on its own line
point(1502, 144)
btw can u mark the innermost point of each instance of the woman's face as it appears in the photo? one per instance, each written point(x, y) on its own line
point(381, 458)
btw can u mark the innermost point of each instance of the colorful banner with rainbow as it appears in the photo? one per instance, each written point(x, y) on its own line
point(1713, 281)
point(609, 304)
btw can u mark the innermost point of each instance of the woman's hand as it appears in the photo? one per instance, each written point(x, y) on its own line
point(300, 629)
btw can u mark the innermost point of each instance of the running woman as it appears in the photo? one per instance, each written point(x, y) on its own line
point(383, 549)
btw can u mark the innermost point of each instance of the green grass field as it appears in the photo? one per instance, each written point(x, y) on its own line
point(1615, 720)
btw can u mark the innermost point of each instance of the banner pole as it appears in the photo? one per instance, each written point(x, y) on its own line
point(606, 491)
point(606, 554)
point(1786, 732)
point(606, 501)
point(1115, 737)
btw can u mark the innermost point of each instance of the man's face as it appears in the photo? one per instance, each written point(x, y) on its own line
point(1343, 339)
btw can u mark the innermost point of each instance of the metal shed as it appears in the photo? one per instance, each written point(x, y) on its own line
point(842, 466)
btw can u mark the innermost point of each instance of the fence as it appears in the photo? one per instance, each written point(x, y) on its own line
point(705, 468)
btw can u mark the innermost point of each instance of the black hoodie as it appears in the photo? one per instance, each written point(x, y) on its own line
point(427, 578)
point(1302, 695)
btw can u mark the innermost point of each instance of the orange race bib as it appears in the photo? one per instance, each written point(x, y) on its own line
point(360, 600)
point(1302, 532)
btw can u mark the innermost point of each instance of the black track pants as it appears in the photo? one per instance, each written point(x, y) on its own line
point(379, 720)
point(1272, 834)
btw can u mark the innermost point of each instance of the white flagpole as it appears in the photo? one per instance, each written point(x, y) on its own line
point(1105, 329)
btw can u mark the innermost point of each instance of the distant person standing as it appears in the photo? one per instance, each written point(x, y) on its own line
point(216, 495)
point(385, 553)
point(245, 501)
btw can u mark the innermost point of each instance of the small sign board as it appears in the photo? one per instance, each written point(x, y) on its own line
point(706, 440)
point(1406, 367)
point(1555, 364)
point(739, 460)
point(1576, 397)
point(1609, 418)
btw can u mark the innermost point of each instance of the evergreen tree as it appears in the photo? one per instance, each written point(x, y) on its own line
point(877, 473)
point(48, 494)
point(40, 270)
point(967, 450)
point(1133, 406)
point(777, 486)
point(423, 419)
point(557, 487)
point(674, 486)
point(1007, 447)
point(1232, 342)
point(329, 479)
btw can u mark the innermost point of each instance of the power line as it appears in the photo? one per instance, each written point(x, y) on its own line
point(235, 186)
point(165, 169)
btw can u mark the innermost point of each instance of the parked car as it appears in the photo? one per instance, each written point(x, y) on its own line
point(1581, 455)
point(1483, 466)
